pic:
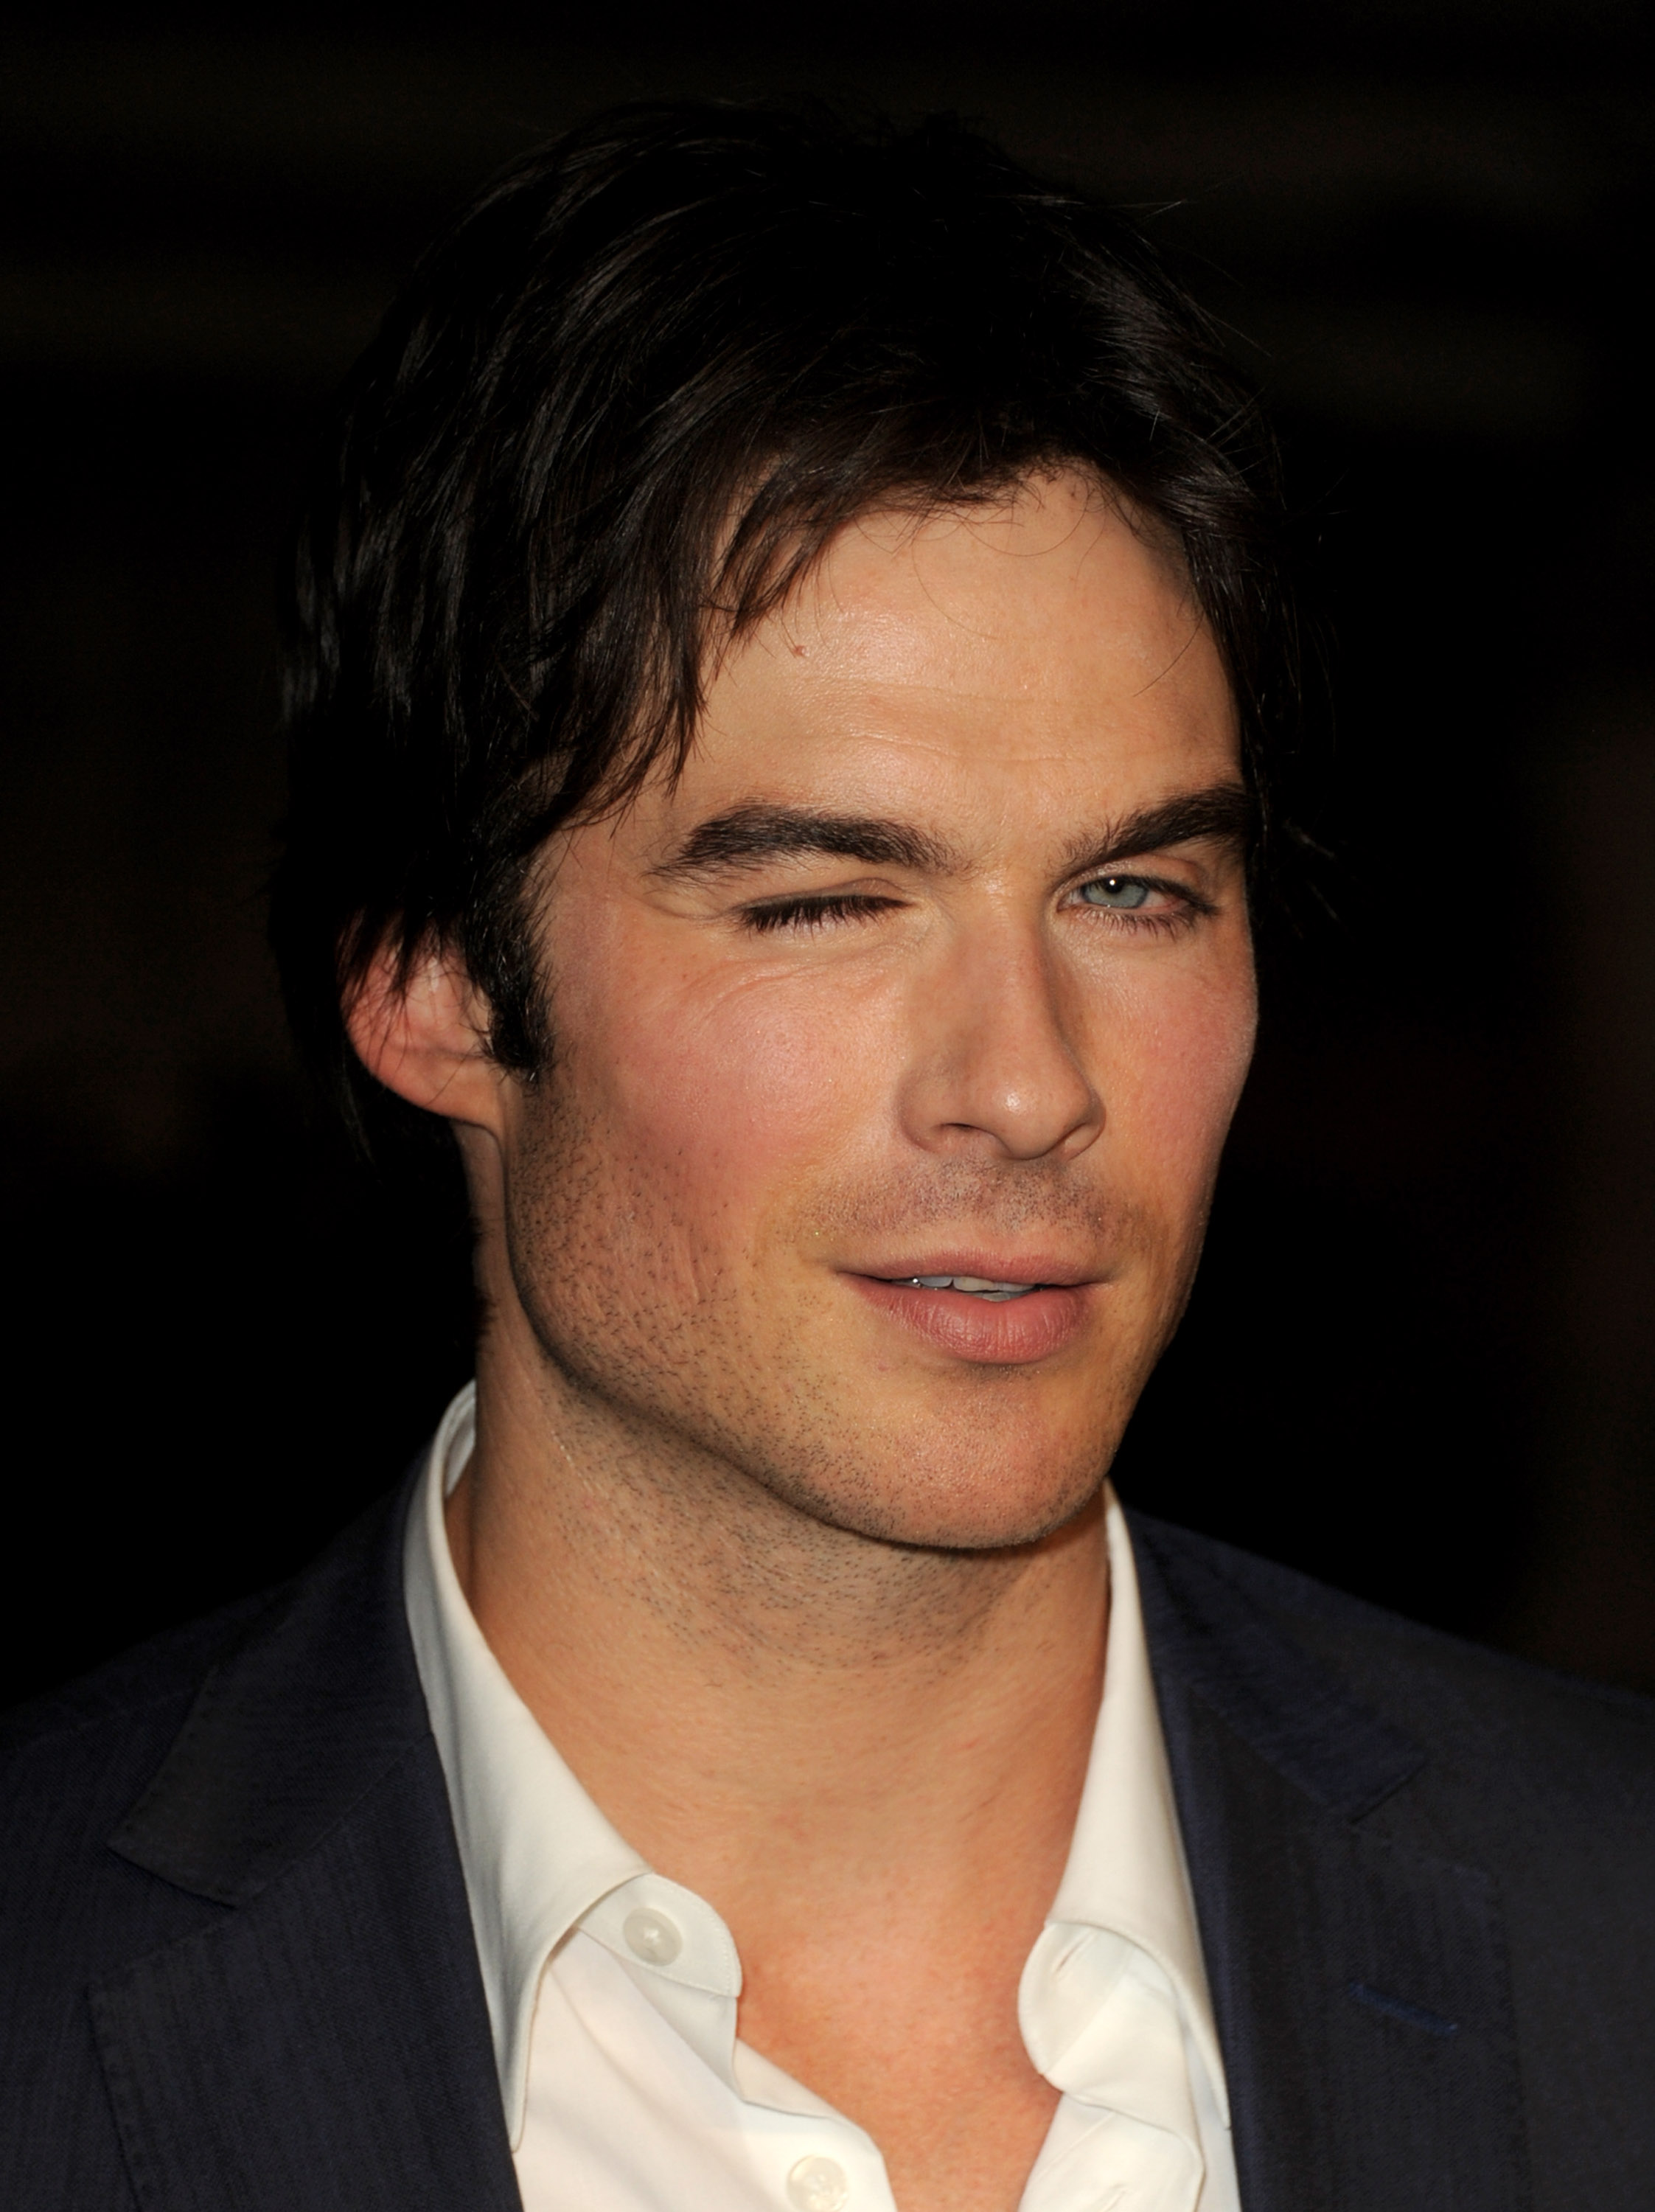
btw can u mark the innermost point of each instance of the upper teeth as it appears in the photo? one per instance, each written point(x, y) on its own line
point(979, 1285)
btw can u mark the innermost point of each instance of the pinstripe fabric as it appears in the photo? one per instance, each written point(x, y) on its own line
point(239, 1973)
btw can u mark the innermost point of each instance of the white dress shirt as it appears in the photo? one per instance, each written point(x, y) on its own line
point(612, 1991)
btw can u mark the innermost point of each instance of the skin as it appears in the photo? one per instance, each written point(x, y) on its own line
point(803, 1572)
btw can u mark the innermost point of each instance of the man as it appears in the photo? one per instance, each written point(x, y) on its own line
point(792, 654)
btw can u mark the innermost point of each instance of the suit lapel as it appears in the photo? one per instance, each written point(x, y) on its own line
point(1360, 1986)
point(322, 2040)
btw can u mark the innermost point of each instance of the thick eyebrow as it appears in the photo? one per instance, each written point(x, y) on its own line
point(1226, 812)
point(754, 836)
point(750, 836)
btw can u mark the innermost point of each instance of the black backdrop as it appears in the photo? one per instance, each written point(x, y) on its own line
point(1418, 1361)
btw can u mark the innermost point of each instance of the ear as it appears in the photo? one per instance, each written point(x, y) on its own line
point(425, 1036)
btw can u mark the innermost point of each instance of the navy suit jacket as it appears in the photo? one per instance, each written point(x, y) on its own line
point(239, 1973)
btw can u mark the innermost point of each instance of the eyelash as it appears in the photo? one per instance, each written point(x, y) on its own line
point(815, 913)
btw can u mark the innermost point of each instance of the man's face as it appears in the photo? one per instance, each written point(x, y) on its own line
point(935, 964)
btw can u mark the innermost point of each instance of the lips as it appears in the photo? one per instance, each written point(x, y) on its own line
point(988, 1310)
point(982, 1268)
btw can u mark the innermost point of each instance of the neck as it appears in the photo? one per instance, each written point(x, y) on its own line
point(757, 1699)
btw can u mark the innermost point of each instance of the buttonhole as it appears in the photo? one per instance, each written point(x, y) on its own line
point(1399, 2008)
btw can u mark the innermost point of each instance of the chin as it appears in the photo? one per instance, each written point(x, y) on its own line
point(996, 1505)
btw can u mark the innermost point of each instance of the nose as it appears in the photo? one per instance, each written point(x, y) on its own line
point(996, 1069)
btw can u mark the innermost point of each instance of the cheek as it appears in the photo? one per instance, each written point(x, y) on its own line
point(1173, 1073)
point(719, 1092)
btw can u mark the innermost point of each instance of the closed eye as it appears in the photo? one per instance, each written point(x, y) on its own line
point(818, 911)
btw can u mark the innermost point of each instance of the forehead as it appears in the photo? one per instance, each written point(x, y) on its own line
point(1026, 655)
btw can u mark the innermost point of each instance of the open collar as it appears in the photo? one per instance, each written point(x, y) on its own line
point(537, 1852)
point(538, 1855)
point(322, 2037)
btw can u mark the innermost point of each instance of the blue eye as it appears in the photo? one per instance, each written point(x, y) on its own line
point(1123, 893)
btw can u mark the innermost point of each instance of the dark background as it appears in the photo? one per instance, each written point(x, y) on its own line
point(1418, 1363)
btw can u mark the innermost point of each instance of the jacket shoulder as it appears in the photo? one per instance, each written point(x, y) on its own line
point(71, 1911)
point(144, 1806)
point(151, 1678)
point(74, 1760)
point(1531, 1730)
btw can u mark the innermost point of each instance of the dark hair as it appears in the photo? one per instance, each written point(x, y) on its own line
point(625, 403)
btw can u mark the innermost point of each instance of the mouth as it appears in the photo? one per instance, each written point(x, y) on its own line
point(983, 1314)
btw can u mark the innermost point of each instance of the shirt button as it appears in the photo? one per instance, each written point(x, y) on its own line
point(817, 2185)
point(652, 1935)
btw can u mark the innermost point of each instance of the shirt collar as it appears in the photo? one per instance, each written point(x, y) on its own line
point(538, 1854)
point(1126, 1872)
